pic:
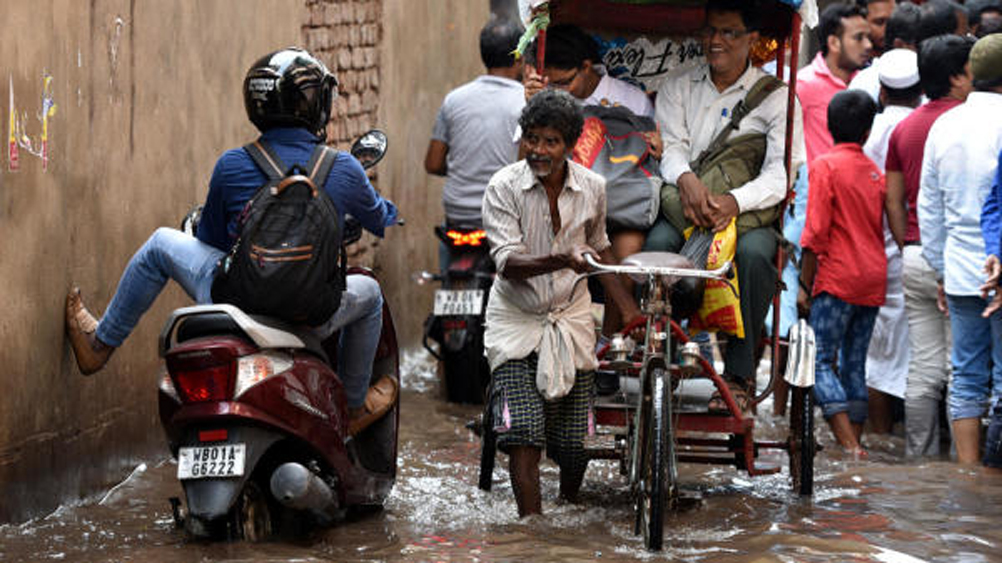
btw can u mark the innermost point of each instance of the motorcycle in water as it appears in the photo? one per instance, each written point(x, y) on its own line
point(256, 416)
point(457, 320)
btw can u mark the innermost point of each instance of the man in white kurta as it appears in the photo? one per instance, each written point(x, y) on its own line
point(887, 357)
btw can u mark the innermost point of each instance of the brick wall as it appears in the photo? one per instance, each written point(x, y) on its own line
point(346, 35)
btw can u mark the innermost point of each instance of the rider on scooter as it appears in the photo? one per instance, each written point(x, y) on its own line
point(292, 115)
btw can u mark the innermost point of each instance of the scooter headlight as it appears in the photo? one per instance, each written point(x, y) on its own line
point(256, 368)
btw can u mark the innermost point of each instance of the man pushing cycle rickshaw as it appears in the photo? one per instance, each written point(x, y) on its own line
point(729, 133)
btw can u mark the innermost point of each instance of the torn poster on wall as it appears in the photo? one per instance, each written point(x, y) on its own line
point(645, 63)
point(18, 128)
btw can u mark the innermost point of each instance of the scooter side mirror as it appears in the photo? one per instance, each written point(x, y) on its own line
point(370, 148)
point(189, 225)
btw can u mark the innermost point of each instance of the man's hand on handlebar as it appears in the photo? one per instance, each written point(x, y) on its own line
point(576, 258)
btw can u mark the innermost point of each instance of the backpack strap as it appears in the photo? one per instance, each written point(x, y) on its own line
point(761, 90)
point(266, 159)
point(320, 164)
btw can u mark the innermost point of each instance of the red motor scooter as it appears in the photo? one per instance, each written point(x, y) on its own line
point(257, 418)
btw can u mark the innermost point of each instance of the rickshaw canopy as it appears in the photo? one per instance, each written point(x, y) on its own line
point(664, 17)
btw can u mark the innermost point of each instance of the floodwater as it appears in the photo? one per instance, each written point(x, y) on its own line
point(881, 510)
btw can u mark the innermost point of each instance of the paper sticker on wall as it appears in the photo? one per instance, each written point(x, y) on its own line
point(19, 138)
point(48, 110)
point(13, 158)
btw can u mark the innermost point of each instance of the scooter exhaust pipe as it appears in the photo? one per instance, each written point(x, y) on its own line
point(299, 488)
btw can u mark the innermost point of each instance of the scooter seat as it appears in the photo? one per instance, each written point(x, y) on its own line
point(222, 324)
point(209, 324)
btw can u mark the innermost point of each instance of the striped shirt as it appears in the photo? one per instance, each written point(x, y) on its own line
point(525, 316)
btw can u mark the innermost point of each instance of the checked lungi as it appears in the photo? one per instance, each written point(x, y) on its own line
point(560, 426)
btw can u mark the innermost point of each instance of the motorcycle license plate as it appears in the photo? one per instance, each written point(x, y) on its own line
point(458, 302)
point(204, 462)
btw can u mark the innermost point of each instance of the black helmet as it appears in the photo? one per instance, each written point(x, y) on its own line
point(290, 88)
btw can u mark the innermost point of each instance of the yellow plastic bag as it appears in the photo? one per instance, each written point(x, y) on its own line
point(721, 308)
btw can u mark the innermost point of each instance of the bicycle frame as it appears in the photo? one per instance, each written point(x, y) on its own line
point(655, 306)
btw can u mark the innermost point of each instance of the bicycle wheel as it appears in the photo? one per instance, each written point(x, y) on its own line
point(802, 445)
point(656, 488)
point(488, 446)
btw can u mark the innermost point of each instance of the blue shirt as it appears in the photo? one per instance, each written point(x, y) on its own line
point(236, 179)
point(991, 216)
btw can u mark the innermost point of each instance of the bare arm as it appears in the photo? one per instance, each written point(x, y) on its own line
point(897, 215)
point(434, 159)
point(524, 266)
point(616, 291)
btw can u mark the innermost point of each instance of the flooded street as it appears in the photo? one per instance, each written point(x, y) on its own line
point(878, 510)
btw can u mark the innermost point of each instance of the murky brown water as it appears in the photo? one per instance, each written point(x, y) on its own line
point(880, 510)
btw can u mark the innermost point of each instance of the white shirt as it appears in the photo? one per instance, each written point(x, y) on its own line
point(691, 112)
point(615, 92)
point(880, 133)
point(961, 156)
point(868, 80)
point(549, 314)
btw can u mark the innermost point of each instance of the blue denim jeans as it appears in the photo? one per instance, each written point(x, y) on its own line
point(841, 329)
point(171, 254)
point(976, 357)
point(993, 440)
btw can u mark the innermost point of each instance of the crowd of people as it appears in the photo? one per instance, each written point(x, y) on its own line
point(893, 236)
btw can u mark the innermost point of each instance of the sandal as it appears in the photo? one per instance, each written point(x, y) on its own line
point(717, 404)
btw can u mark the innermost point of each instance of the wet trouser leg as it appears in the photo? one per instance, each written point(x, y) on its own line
point(360, 319)
point(842, 332)
point(167, 254)
point(929, 361)
point(757, 274)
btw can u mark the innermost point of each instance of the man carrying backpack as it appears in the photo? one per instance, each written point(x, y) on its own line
point(288, 96)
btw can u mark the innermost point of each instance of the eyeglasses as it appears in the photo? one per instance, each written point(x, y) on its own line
point(565, 83)
point(727, 34)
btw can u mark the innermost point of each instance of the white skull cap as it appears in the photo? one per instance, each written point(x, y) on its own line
point(898, 69)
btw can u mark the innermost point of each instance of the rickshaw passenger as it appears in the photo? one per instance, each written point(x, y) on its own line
point(692, 106)
point(573, 64)
point(541, 215)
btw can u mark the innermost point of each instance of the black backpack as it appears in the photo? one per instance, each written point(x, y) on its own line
point(287, 262)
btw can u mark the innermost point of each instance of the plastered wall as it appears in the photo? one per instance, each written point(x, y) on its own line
point(429, 48)
point(142, 96)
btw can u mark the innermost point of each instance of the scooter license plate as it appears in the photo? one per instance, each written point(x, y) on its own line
point(450, 302)
point(204, 462)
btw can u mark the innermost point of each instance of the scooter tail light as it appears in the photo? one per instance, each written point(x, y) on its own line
point(466, 238)
point(167, 387)
point(256, 368)
point(203, 375)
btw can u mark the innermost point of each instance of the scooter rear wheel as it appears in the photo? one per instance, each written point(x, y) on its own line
point(251, 516)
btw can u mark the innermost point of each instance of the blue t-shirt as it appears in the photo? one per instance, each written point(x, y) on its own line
point(236, 179)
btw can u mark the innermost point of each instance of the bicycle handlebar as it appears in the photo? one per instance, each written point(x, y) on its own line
point(721, 273)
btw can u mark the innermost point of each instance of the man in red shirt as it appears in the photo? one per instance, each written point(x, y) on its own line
point(845, 48)
point(946, 80)
point(844, 268)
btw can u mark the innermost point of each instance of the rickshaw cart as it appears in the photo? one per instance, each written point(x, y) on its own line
point(641, 429)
